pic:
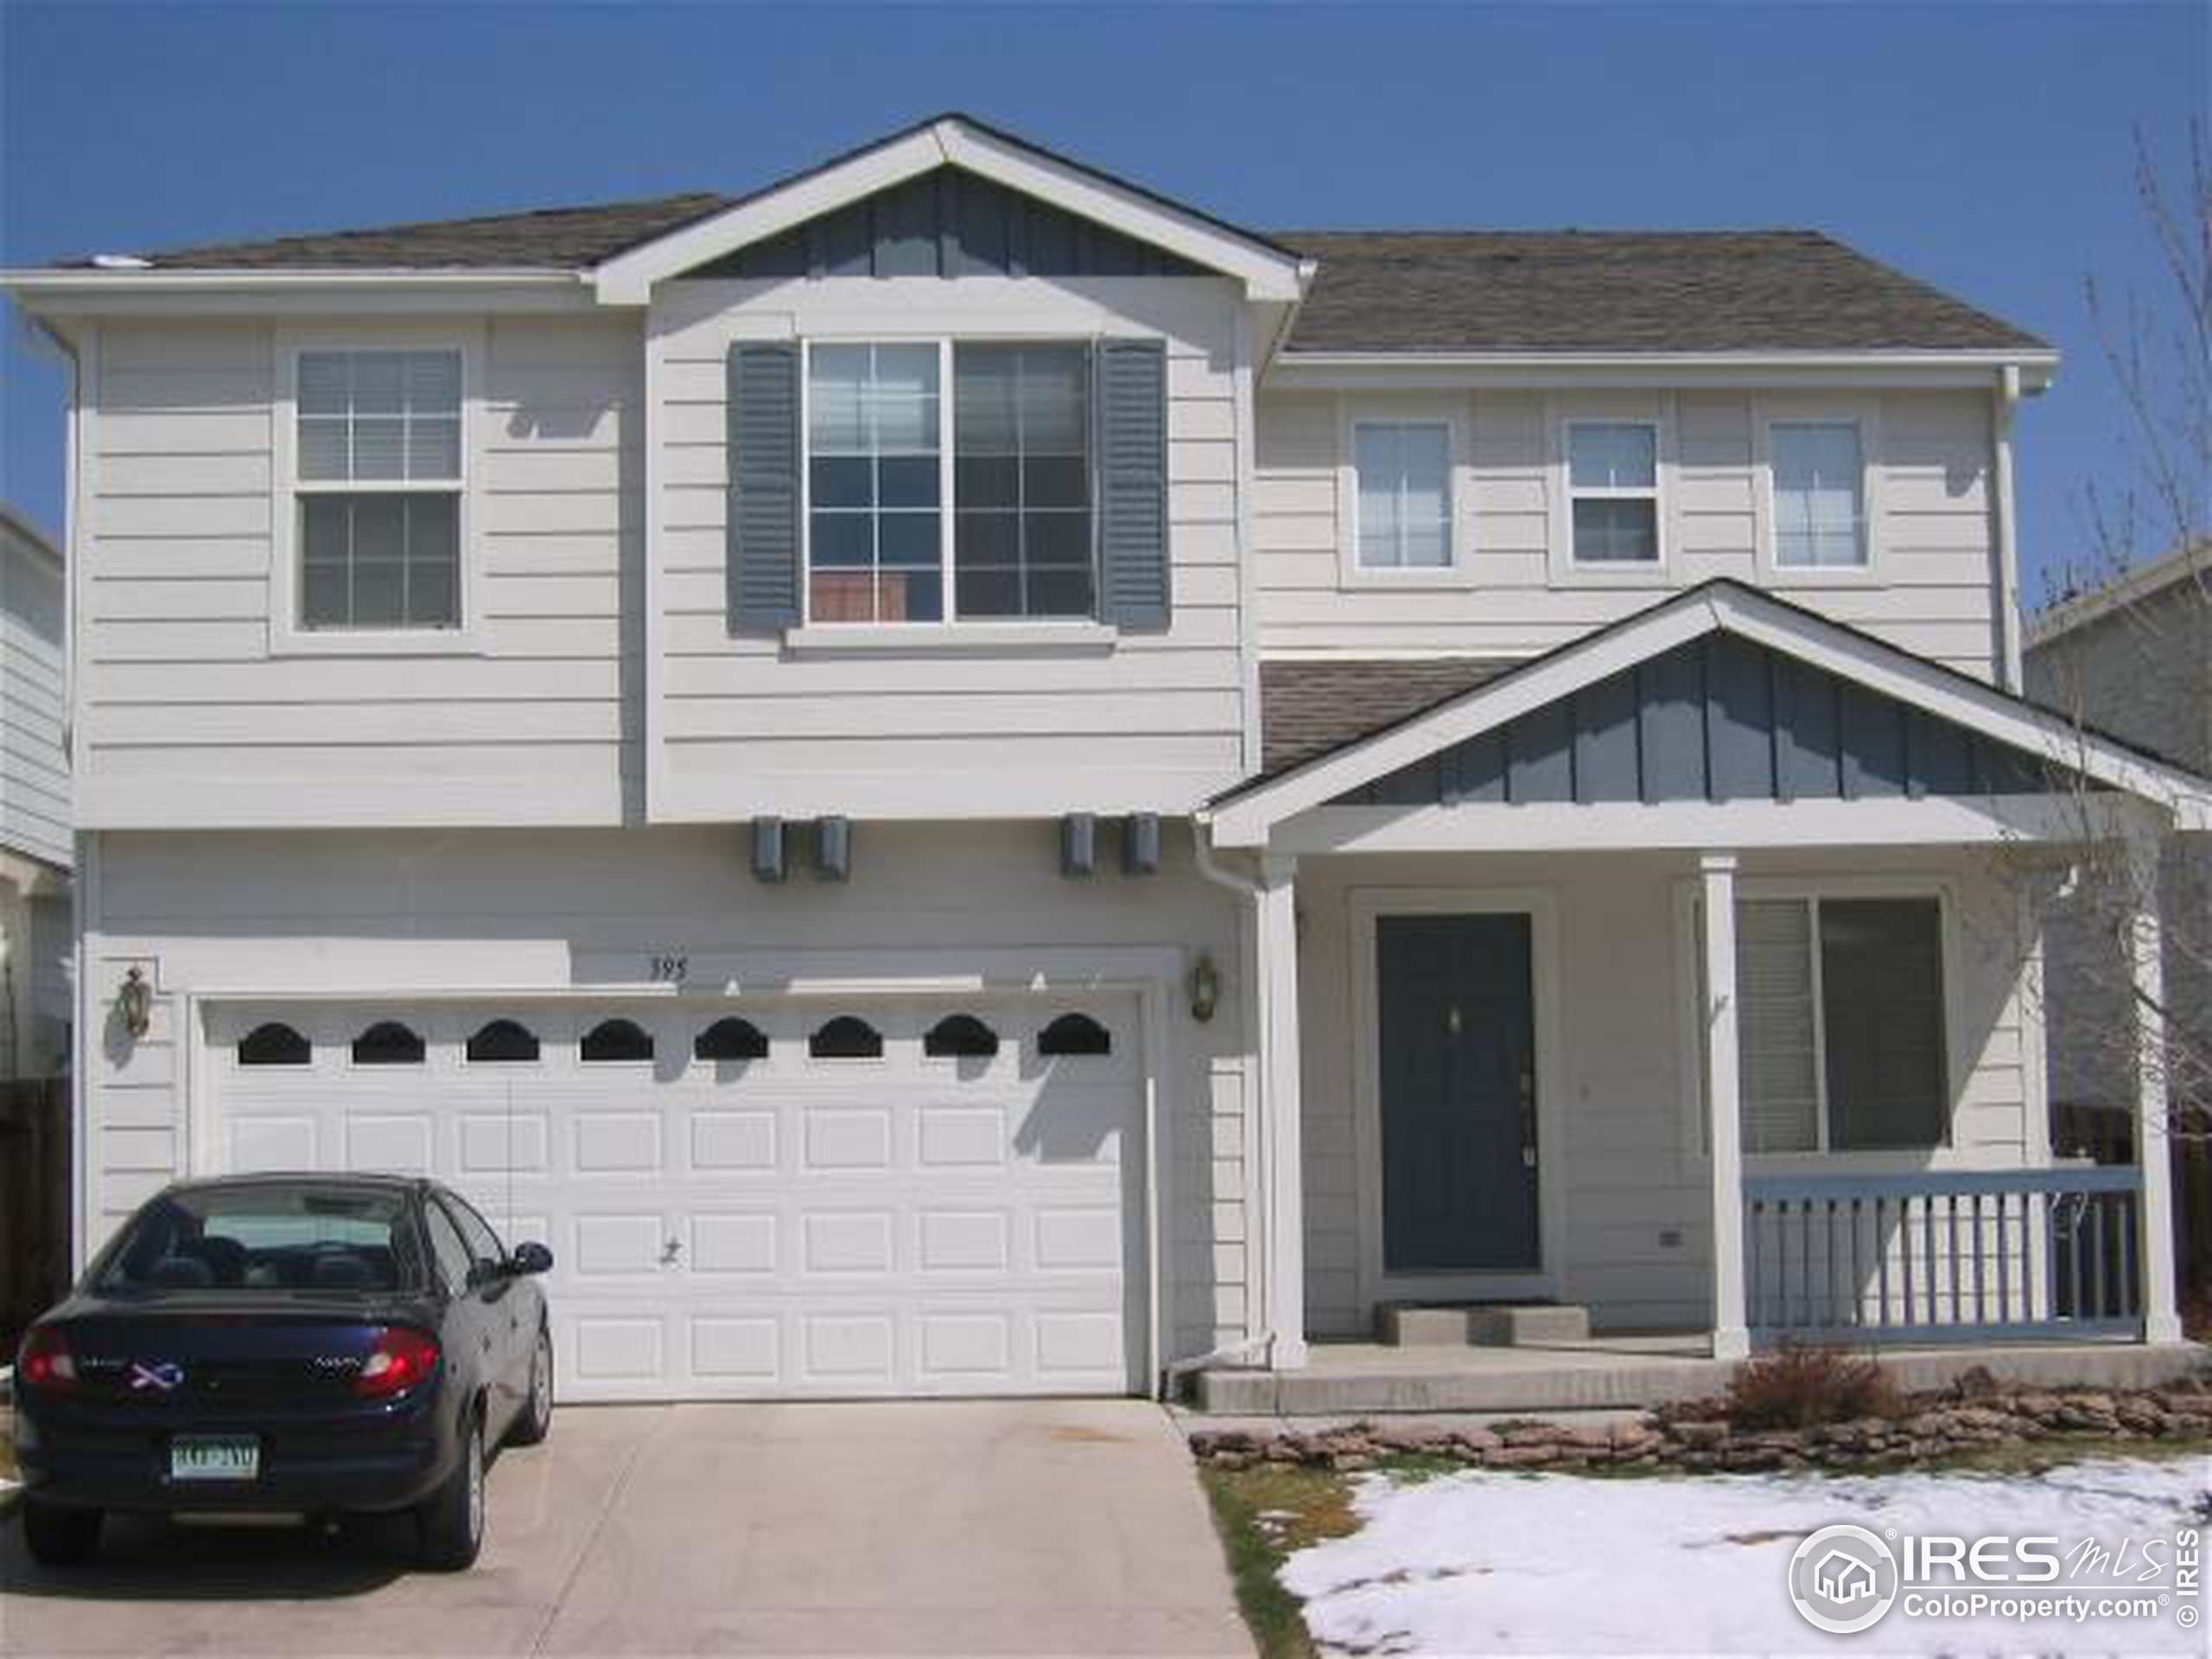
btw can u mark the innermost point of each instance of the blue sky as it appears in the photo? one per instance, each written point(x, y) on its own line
point(1985, 147)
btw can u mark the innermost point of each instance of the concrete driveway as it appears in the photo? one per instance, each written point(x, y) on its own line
point(1038, 1528)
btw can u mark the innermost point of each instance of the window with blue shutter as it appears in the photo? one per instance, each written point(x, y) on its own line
point(938, 482)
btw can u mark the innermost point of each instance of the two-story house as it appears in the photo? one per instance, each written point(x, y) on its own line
point(953, 777)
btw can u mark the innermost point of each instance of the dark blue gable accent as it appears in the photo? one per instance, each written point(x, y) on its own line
point(1720, 719)
point(949, 223)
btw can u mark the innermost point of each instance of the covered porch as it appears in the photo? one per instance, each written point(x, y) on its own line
point(1685, 981)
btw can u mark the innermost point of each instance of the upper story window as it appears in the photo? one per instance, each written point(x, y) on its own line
point(378, 482)
point(1820, 503)
point(925, 458)
point(1404, 470)
point(875, 522)
point(1612, 480)
point(1021, 480)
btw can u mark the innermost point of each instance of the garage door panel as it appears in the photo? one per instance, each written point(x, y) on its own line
point(740, 1243)
point(911, 1225)
point(733, 1140)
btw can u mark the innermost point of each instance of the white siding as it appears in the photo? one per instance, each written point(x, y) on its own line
point(34, 701)
point(1637, 1195)
point(1930, 591)
point(411, 914)
point(193, 716)
point(1155, 723)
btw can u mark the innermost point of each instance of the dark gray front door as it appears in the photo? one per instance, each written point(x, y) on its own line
point(1457, 1038)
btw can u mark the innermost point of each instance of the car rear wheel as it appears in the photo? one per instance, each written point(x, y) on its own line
point(535, 1420)
point(59, 1537)
point(452, 1523)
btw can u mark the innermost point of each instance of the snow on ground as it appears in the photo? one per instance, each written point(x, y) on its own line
point(1480, 1563)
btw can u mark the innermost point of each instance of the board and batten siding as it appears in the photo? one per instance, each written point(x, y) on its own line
point(34, 702)
point(1931, 592)
point(485, 916)
point(753, 724)
point(193, 711)
point(1637, 1226)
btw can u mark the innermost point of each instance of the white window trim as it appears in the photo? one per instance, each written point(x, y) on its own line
point(1457, 570)
point(1865, 413)
point(287, 638)
point(1562, 414)
point(950, 631)
point(1959, 1061)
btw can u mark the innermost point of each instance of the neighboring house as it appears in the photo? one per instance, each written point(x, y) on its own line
point(2133, 657)
point(35, 854)
point(955, 777)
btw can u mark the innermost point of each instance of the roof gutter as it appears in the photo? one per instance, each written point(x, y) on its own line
point(2003, 405)
point(1353, 371)
point(47, 279)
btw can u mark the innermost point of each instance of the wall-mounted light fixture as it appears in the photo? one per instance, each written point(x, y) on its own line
point(1206, 989)
point(133, 1003)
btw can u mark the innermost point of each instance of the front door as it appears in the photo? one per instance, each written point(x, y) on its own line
point(1458, 1094)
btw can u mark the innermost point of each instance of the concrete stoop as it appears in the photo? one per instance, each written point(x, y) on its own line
point(1480, 1324)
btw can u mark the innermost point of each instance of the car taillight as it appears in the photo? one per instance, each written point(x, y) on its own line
point(396, 1361)
point(46, 1362)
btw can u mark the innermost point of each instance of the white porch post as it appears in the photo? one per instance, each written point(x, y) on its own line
point(1731, 1326)
point(2153, 1142)
point(1282, 1173)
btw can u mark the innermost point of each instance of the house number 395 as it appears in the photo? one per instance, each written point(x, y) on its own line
point(668, 969)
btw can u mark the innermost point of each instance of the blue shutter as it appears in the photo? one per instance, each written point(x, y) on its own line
point(764, 573)
point(1134, 576)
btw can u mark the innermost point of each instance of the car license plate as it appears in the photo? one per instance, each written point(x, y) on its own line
point(214, 1457)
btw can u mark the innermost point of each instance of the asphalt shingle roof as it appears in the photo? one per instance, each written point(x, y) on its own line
point(1380, 291)
point(1623, 291)
point(1311, 708)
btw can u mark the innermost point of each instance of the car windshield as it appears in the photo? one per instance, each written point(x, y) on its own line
point(273, 1237)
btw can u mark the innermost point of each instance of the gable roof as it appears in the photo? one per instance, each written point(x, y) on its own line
point(1241, 816)
point(1381, 293)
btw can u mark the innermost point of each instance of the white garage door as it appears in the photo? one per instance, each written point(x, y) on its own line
point(786, 1200)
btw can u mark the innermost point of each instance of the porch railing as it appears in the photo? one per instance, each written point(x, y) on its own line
point(1970, 1256)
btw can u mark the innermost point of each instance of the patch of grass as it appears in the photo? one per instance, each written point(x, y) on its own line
point(1264, 1515)
point(2041, 1457)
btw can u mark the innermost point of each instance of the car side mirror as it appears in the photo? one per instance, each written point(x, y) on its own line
point(531, 1258)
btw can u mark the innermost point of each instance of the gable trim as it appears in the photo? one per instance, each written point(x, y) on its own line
point(1244, 816)
point(1268, 272)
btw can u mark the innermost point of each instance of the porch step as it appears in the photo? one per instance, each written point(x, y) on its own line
point(1480, 1324)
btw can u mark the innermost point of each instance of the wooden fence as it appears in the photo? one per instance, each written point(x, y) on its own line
point(34, 1203)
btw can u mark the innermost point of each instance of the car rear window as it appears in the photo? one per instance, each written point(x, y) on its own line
point(273, 1238)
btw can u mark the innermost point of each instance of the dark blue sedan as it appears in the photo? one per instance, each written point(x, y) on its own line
point(320, 1344)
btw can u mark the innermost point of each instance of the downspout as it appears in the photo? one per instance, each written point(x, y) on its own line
point(2003, 406)
point(1261, 1344)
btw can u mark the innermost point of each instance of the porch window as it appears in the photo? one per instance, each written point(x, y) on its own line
point(378, 485)
point(1612, 475)
point(1819, 520)
point(1405, 494)
point(1841, 1029)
